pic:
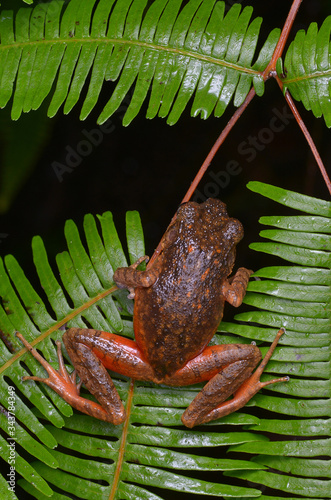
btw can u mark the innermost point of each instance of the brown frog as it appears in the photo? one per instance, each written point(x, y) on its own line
point(178, 306)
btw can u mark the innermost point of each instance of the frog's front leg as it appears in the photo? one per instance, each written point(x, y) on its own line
point(233, 378)
point(130, 278)
point(91, 352)
point(234, 289)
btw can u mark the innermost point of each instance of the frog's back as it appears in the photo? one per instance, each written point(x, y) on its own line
point(176, 318)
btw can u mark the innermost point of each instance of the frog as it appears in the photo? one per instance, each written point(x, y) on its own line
point(178, 306)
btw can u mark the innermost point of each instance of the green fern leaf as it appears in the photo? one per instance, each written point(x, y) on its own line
point(175, 53)
point(85, 278)
point(305, 398)
point(169, 52)
point(152, 449)
point(307, 68)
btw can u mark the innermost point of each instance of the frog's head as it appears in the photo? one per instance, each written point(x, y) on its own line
point(206, 226)
point(209, 221)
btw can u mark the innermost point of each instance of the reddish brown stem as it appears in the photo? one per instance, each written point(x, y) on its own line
point(206, 163)
point(267, 73)
point(308, 137)
point(202, 170)
point(270, 69)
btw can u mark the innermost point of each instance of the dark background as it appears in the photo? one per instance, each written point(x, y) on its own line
point(148, 166)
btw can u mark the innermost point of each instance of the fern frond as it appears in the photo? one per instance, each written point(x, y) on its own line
point(307, 69)
point(297, 298)
point(154, 450)
point(172, 52)
point(85, 298)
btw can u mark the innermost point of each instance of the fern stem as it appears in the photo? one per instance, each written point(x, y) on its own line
point(271, 71)
point(121, 450)
point(233, 120)
point(307, 135)
point(271, 68)
point(266, 74)
point(58, 325)
point(202, 170)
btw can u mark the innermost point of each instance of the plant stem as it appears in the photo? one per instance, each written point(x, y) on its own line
point(308, 137)
point(271, 71)
point(202, 170)
point(268, 72)
point(271, 68)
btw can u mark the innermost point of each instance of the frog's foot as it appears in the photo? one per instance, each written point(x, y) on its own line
point(134, 267)
point(59, 380)
point(139, 261)
point(211, 403)
point(65, 385)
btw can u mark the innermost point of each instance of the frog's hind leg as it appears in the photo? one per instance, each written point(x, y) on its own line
point(235, 378)
point(91, 372)
point(97, 380)
point(92, 352)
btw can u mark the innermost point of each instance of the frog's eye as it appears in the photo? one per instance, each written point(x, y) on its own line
point(233, 231)
point(170, 236)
